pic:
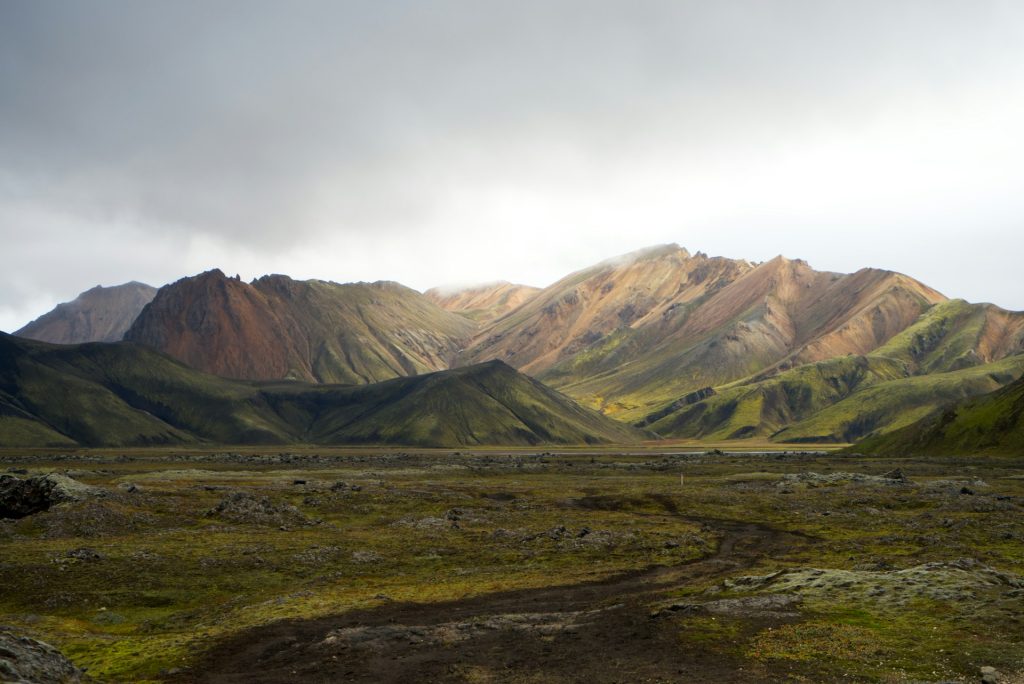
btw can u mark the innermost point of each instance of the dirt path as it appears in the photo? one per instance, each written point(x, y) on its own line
point(593, 632)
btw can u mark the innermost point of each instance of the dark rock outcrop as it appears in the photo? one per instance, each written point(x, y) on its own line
point(20, 498)
point(24, 660)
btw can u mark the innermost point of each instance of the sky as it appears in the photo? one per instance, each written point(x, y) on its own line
point(452, 143)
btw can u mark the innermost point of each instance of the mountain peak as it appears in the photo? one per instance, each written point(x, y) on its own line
point(277, 327)
point(100, 314)
point(653, 252)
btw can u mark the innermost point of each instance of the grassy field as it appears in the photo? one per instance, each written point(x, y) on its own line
point(183, 551)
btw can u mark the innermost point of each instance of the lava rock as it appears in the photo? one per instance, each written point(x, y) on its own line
point(24, 660)
point(20, 498)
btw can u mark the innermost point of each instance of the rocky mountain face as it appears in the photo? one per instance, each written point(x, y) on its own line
point(317, 331)
point(102, 314)
point(483, 303)
point(635, 332)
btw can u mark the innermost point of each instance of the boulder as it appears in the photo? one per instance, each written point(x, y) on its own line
point(243, 507)
point(23, 497)
point(24, 660)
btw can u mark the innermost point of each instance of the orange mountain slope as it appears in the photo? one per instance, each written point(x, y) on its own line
point(482, 303)
point(276, 327)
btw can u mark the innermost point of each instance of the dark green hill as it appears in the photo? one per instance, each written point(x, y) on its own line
point(993, 423)
point(126, 394)
point(489, 403)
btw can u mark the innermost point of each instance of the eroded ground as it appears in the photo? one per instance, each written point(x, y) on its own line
point(522, 567)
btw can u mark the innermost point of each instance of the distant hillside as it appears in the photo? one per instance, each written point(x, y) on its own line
point(483, 303)
point(993, 423)
point(125, 394)
point(102, 314)
point(316, 331)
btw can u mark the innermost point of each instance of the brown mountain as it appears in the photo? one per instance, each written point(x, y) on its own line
point(635, 332)
point(101, 314)
point(276, 327)
point(483, 303)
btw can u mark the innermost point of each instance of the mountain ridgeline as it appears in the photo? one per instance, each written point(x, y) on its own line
point(312, 330)
point(128, 395)
point(685, 345)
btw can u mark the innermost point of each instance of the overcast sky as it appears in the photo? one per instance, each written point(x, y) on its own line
point(436, 142)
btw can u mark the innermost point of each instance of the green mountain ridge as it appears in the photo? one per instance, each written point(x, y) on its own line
point(993, 423)
point(124, 394)
point(938, 360)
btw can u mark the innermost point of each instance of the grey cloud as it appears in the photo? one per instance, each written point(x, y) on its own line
point(267, 123)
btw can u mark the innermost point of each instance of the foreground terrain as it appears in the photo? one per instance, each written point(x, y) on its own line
point(520, 566)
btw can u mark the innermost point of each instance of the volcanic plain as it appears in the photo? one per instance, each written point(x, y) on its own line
point(518, 565)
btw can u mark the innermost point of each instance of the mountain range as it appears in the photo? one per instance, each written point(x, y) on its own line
point(686, 345)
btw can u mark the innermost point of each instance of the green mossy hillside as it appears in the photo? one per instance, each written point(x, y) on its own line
point(840, 400)
point(992, 423)
point(124, 394)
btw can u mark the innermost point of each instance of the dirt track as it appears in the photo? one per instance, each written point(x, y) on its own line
point(594, 632)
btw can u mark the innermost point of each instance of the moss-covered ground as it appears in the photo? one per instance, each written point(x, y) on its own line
point(143, 580)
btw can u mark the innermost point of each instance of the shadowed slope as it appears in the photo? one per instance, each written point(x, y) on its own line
point(102, 314)
point(126, 394)
point(489, 403)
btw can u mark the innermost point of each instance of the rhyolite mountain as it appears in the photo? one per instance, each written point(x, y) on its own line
point(102, 314)
point(482, 303)
point(276, 327)
point(125, 394)
point(711, 348)
point(993, 423)
point(633, 333)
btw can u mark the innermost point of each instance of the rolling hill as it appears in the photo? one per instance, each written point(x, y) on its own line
point(993, 423)
point(125, 394)
point(102, 314)
point(316, 331)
